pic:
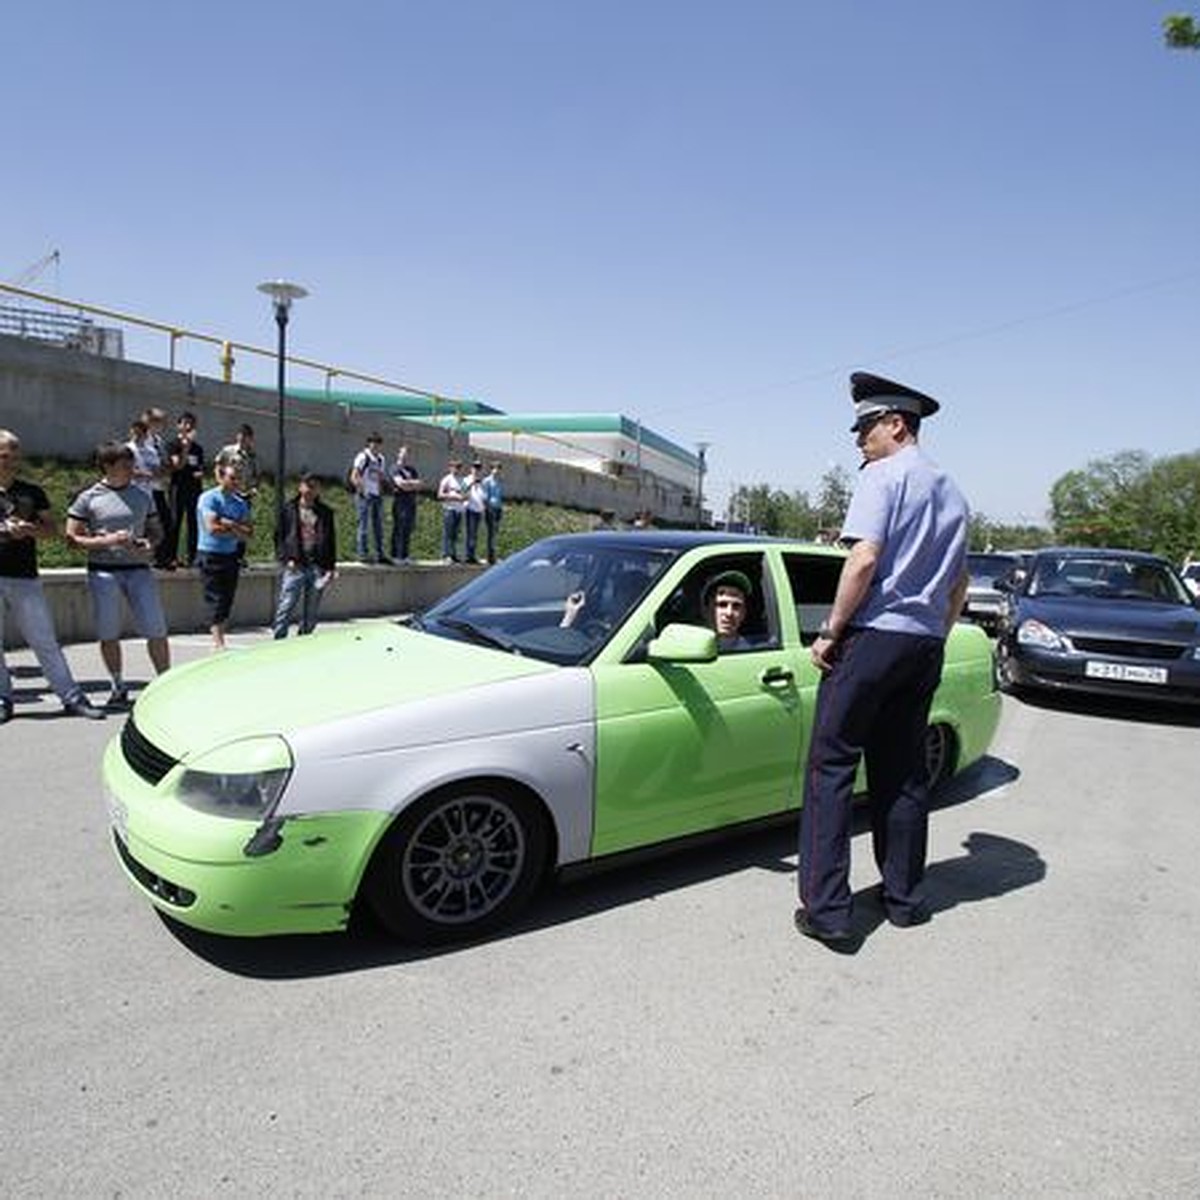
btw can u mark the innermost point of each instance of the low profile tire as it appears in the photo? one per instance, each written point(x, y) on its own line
point(458, 864)
point(939, 754)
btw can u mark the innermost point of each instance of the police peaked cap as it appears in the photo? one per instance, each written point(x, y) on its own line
point(873, 396)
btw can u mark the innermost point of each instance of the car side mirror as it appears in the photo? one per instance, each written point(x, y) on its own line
point(683, 644)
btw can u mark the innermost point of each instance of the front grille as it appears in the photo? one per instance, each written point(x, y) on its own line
point(142, 755)
point(164, 889)
point(1120, 648)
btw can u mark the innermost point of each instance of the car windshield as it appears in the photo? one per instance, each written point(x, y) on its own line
point(985, 569)
point(1107, 578)
point(559, 600)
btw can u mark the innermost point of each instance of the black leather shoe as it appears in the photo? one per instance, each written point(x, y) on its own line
point(919, 914)
point(842, 938)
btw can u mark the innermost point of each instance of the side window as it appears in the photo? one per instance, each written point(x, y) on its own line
point(813, 580)
point(760, 627)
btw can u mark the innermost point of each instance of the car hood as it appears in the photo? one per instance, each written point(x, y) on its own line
point(283, 686)
point(1125, 618)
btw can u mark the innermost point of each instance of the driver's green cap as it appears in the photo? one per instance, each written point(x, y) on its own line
point(730, 579)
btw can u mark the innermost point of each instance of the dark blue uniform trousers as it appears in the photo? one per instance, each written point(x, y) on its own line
point(874, 702)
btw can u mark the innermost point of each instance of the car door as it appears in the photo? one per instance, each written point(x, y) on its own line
point(687, 747)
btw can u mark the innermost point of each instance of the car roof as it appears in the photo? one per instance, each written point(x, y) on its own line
point(1101, 552)
point(679, 540)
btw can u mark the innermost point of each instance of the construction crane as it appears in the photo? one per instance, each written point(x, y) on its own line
point(32, 272)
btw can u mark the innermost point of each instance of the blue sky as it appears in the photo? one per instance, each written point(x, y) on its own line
point(702, 215)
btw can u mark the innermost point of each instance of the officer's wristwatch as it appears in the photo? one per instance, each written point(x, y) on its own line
point(826, 632)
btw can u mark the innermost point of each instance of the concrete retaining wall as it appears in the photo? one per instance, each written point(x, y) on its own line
point(62, 403)
point(358, 591)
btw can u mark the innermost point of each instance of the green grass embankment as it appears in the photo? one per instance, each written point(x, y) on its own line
point(523, 522)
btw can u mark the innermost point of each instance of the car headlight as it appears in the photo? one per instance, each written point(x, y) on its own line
point(1034, 633)
point(243, 780)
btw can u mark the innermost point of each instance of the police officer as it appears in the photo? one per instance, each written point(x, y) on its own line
point(880, 653)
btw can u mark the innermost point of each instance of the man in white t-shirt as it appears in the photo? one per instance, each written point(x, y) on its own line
point(474, 507)
point(451, 496)
point(367, 478)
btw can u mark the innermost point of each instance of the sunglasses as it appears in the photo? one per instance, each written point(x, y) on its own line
point(868, 423)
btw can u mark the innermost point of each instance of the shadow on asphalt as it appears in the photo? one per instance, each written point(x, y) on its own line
point(1113, 708)
point(992, 866)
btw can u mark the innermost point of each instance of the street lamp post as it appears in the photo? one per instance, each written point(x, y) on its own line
point(701, 451)
point(282, 294)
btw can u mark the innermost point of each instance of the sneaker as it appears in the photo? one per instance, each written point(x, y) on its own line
point(118, 697)
point(81, 706)
point(6, 710)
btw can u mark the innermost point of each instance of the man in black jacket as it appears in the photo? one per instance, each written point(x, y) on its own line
point(307, 549)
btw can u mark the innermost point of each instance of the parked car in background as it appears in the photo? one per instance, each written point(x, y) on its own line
point(985, 604)
point(1110, 622)
point(570, 704)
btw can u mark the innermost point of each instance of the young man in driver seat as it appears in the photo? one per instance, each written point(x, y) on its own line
point(724, 602)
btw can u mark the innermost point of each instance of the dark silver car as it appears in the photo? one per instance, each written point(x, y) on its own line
point(985, 603)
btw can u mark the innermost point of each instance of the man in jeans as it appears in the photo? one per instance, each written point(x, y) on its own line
point(493, 513)
point(368, 475)
point(308, 552)
point(406, 484)
point(24, 520)
point(451, 496)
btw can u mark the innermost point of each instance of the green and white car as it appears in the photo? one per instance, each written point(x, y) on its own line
point(439, 768)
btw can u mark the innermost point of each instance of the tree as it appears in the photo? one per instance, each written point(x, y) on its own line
point(833, 498)
point(986, 534)
point(772, 511)
point(1132, 502)
point(1181, 32)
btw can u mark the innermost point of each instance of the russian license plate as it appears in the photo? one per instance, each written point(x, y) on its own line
point(1126, 672)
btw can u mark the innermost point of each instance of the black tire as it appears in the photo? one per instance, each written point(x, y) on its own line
point(939, 754)
point(457, 864)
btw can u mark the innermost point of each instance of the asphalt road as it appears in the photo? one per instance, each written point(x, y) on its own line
point(656, 1031)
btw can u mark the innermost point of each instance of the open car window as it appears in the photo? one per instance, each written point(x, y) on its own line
point(556, 601)
point(813, 580)
point(760, 629)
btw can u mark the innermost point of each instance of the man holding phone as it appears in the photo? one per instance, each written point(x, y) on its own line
point(114, 522)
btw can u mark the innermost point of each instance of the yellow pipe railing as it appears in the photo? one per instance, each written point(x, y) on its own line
point(227, 347)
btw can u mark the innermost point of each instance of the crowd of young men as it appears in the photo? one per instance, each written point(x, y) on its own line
point(150, 490)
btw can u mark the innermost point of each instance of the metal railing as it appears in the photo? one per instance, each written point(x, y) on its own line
point(440, 405)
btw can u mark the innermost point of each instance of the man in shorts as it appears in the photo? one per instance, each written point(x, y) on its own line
point(114, 522)
point(224, 526)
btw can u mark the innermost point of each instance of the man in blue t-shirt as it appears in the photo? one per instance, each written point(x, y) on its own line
point(224, 520)
point(880, 654)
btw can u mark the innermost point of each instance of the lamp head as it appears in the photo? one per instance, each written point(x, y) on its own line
point(282, 292)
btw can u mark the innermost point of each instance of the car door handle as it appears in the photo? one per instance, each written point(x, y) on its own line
point(776, 677)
